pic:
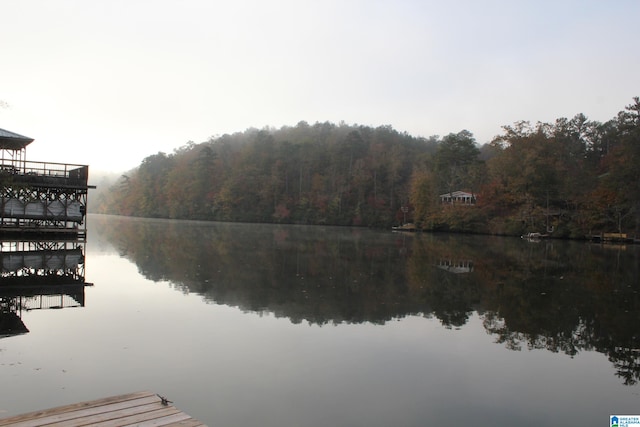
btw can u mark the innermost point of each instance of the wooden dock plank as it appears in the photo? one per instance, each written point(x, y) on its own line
point(67, 417)
point(164, 421)
point(188, 423)
point(114, 418)
point(140, 409)
point(83, 409)
point(72, 407)
point(140, 418)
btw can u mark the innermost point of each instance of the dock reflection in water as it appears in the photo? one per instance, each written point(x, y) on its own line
point(38, 275)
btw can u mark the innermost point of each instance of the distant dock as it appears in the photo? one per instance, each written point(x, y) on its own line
point(139, 409)
point(613, 238)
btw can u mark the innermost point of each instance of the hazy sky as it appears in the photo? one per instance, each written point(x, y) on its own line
point(109, 82)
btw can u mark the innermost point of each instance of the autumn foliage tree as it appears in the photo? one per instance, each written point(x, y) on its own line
point(307, 174)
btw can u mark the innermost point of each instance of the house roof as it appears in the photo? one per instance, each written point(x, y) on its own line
point(457, 194)
point(13, 141)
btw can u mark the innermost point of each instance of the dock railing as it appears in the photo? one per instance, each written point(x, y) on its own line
point(46, 173)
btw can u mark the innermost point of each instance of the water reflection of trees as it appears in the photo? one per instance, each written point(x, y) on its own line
point(560, 296)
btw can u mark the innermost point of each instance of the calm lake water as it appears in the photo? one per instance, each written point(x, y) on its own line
point(265, 325)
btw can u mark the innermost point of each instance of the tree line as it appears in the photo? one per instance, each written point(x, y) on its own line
point(572, 177)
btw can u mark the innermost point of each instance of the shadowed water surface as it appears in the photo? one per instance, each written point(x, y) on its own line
point(266, 325)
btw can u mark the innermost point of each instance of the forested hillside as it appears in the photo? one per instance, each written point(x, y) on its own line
point(571, 178)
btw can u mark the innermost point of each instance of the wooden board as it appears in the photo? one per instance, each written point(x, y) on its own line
point(139, 409)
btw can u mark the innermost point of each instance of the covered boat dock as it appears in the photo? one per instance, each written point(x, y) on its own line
point(40, 198)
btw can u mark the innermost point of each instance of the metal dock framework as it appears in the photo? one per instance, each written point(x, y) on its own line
point(40, 198)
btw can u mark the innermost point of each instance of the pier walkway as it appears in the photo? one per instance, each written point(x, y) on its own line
point(134, 409)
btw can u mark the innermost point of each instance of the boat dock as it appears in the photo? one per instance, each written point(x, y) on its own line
point(614, 238)
point(39, 199)
point(133, 409)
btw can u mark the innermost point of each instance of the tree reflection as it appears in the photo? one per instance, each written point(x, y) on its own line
point(564, 297)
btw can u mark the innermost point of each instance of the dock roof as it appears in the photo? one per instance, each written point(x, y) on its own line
point(13, 141)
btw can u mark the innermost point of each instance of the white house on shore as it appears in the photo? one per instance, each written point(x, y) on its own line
point(458, 198)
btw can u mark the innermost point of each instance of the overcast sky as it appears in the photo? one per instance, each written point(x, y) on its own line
point(110, 82)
